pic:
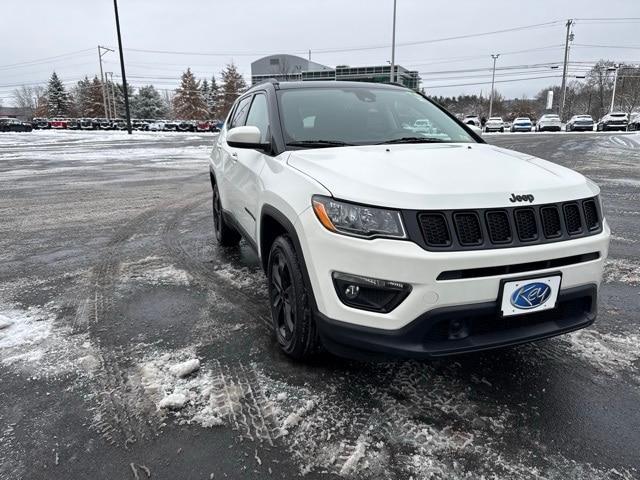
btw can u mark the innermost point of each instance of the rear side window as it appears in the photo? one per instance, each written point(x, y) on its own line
point(240, 113)
point(259, 116)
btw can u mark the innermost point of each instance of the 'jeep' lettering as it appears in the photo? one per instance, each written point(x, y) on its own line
point(521, 198)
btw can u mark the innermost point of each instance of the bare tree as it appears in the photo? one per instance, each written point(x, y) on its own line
point(28, 97)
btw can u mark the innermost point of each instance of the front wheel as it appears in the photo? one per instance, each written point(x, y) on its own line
point(225, 235)
point(293, 322)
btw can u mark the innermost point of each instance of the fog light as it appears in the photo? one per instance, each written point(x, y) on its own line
point(369, 293)
point(458, 329)
point(352, 291)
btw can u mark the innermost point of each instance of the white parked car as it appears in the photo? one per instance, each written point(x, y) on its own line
point(577, 123)
point(522, 124)
point(472, 120)
point(377, 239)
point(613, 121)
point(156, 126)
point(549, 122)
point(494, 124)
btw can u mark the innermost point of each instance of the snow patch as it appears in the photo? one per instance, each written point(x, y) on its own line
point(153, 270)
point(185, 369)
point(622, 270)
point(31, 341)
point(610, 352)
point(174, 401)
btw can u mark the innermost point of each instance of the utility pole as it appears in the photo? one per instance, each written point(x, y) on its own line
point(615, 83)
point(309, 54)
point(393, 45)
point(113, 95)
point(101, 53)
point(124, 77)
point(493, 79)
point(564, 69)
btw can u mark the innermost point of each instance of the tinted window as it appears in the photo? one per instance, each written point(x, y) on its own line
point(363, 115)
point(240, 113)
point(259, 116)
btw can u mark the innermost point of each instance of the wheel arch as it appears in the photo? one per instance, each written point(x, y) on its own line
point(274, 223)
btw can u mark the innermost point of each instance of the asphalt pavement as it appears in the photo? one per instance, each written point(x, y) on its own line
point(111, 287)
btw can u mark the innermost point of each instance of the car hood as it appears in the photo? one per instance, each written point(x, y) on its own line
point(432, 176)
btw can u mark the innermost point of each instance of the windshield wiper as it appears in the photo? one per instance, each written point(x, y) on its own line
point(412, 140)
point(319, 143)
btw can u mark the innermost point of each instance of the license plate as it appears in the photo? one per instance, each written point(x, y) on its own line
point(530, 295)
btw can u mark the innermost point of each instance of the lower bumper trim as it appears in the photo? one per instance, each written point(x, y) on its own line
point(429, 334)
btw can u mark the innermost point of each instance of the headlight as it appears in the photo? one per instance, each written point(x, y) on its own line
point(357, 220)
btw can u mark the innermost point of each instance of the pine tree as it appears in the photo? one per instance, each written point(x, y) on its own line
point(232, 86)
point(148, 103)
point(120, 108)
point(212, 97)
point(188, 102)
point(95, 99)
point(57, 98)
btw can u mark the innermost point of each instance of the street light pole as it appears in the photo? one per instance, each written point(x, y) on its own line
point(113, 95)
point(393, 45)
point(564, 68)
point(107, 112)
point(615, 82)
point(493, 79)
point(124, 76)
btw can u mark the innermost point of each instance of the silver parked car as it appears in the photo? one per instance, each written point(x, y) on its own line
point(580, 123)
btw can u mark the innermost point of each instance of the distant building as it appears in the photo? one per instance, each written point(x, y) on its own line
point(293, 68)
point(16, 112)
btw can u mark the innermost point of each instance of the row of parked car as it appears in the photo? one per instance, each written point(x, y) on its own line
point(551, 123)
point(121, 124)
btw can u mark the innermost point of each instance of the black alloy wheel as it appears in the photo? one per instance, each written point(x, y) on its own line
point(225, 235)
point(289, 299)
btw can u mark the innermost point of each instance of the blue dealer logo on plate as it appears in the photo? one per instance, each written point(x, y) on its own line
point(531, 295)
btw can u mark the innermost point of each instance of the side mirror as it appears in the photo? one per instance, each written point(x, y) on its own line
point(476, 130)
point(246, 137)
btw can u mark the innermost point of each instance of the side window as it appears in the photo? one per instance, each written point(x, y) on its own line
point(240, 113)
point(259, 116)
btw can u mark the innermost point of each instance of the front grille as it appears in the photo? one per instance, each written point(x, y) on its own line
point(498, 226)
point(572, 218)
point(526, 224)
point(591, 214)
point(434, 228)
point(468, 228)
point(504, 227)
point(551, 225)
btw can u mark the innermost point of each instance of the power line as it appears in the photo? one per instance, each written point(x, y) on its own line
point(45, 59)
point(489, 82)
point(356, 48)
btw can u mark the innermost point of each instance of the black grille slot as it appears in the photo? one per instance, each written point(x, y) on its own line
point(498, 227)
point(434, 229)
point(591, 214)
point(468, 228)
point(551, 225)
point(526, 224)
point(572, 218)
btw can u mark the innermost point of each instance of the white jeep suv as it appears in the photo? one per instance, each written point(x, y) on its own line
point(377, 238)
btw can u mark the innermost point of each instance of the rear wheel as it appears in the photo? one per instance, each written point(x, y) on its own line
point(225, 235)
point(293, 322)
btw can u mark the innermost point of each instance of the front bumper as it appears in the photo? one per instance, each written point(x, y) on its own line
point(427, 336)
point(406, 262)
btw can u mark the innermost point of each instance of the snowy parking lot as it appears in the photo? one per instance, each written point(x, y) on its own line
point(131, 346)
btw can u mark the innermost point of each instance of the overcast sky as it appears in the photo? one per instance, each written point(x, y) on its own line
point(243, 30)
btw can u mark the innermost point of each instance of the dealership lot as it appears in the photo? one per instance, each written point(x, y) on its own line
point(111, 287)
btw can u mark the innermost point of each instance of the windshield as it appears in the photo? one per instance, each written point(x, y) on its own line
point(363, 116)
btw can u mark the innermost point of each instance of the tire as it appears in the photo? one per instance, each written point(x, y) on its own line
point(225, 235)
point(293, 323)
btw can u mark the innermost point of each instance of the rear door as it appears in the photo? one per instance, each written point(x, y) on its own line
point(244, 173)
point(228, 157)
